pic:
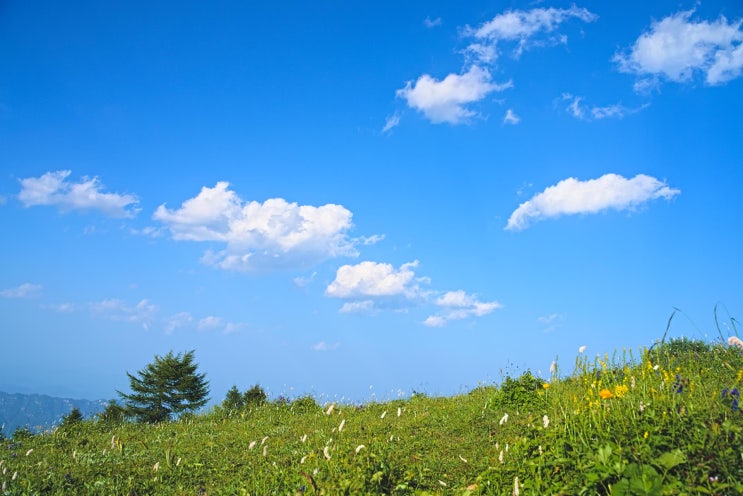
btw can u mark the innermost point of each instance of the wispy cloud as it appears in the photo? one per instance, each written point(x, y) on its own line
point(212, 323)
point(677, 47)
point(304, 281)
point(323, 346)
point(446, 100)
point(53, 189)
point(525, 28)
point(571, 196)
point(432, 23)
point(552, 321)
point(142, 313)
point(458, 305)
point(511, 117)
point(580, 110)
point(25, 290)
point(260, 236)
point(391, 122)
point(176, 321)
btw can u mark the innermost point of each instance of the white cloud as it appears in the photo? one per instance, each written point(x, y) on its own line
point(371, 286)
point(676, 48)
point(458, 305)
point(303, 282)
point(62, 307)
point(363, 306)
point(177, 321)
point(446, 100)
point(571, 196)
point(432, 23)
point(374, 280)
point(391, 122)
point(210, 322)
point(511, 117)
point(323, 346)
point(522, 27)
point(25, 290)
point(260, 236)
point(579, 110)
point(143, 313)
point(54, 189)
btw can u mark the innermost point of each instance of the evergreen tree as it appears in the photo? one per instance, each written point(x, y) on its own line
point(255, 396)
point(112, 414)
point(234, 400)
point(167, 387)
point(72, 418)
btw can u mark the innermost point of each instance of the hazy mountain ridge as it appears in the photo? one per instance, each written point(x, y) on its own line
point(39, 412)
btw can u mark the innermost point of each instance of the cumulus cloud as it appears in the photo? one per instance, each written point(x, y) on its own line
point(143, 313)
point(527, 28)
point(373, 279)
point(371, 286)
point(511, 117)
point(53, 189)
point(260, 236)
point(571, 196)
point(677, 47)
point(458, 305)
point(447, 100)
point(25, 290)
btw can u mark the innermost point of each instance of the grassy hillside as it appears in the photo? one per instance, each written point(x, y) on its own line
point(664, 422)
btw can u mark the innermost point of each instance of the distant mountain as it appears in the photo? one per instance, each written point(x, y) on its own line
point(40, 412)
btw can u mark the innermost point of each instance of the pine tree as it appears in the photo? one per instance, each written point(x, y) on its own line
point(166, 388)
point(73, 418)
point(233, 401)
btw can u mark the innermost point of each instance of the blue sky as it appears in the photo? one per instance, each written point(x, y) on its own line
point(356, 200)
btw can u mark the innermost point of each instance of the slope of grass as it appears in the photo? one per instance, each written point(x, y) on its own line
point(666, 422)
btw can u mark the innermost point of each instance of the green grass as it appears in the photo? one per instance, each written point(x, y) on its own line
point(657, 423)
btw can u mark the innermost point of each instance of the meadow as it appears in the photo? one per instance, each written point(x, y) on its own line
point(664, 420)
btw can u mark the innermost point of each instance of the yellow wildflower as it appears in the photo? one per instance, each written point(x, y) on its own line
point(621, 390)
point(546, 385)
point(606, 394)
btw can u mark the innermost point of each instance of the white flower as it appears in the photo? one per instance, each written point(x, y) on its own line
point(399, 411)
point(384, 414)
point(516, 486)
point(178, 462)
point(340, 427)
point(263, 441)
point(359, 448)
point(29, 451)
point(462, 458)
point(656, 367)
point(553, 367)
point(330, 409)
point(442, 483)
point(265, 450)
point(304, 458)
point(500, 457)
point(503, 419)
point(582, 349)
point(545, 421)
point(304, 438)
point(156, 467)
point(326, 452)
point(251, 445)
point(735, 341)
